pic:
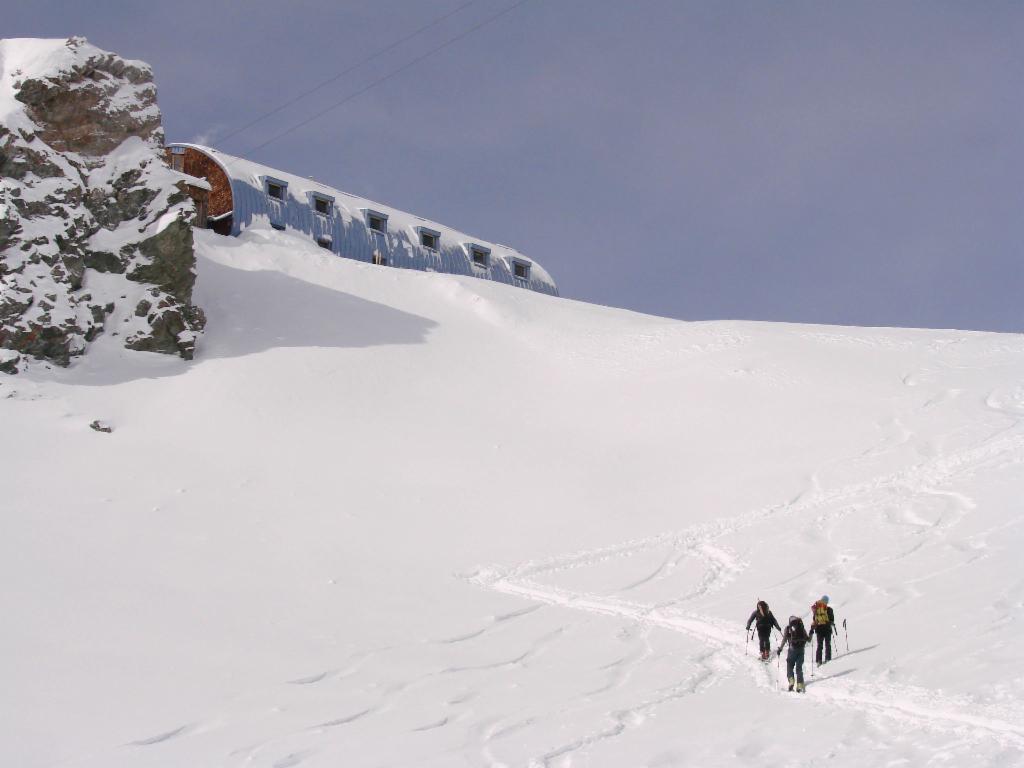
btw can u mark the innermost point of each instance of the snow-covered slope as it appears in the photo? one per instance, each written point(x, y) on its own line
point(388, 518)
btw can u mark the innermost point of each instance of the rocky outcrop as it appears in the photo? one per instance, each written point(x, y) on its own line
point(79, 110)
point(93, 225)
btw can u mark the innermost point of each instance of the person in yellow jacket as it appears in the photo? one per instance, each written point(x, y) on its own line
point(823, 624)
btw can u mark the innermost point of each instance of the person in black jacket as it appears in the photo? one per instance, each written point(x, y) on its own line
point(823, 624)
point(797, 638)
point(765, 621)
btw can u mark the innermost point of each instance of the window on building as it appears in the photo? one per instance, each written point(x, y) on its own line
point(430, 239)
point(324, 242)
point(178, 158)
point(481, 256)
point(275, 190)
point(377, 222)
point(322, 205)
point(277, 225)
point(520, 270)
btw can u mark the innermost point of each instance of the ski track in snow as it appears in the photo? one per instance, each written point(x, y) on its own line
point(312, 729)
point(635, 715)
point(920, 478)
point(722, 657)
point(907, 705)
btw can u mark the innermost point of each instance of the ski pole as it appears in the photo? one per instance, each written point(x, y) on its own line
point(811, 643)
point(746, 646)
point(847, 636)
point(778, 676)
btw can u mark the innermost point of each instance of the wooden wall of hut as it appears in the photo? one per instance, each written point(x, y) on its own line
point(195, 163)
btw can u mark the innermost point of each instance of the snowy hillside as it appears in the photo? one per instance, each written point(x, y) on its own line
point(388, 518)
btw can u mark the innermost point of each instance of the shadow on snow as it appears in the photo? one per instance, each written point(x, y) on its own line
point(252, 311)
point(260, 310)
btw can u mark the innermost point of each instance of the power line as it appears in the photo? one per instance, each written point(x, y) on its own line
point(344, 72)
point(379, 80)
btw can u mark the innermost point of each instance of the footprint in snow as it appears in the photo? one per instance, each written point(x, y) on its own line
point(431, 726)
point(516, 614)
point(293, 759)
point(462, 698)
point(462, 638)
point(311, 679)
point(162, 737)
point(495, 621)
point(344, 720)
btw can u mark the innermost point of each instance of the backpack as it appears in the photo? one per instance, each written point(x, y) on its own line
point(797, 632)
point(820, 611)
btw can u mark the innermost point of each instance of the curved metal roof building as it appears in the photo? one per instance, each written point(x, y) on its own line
point(244, 194)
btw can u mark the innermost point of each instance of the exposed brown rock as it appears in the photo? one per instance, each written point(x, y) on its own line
point(90, 108)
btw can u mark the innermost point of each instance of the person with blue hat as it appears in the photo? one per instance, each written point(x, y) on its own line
point(823, 624)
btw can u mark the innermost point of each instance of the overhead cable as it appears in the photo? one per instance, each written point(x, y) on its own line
point(348, 70)
point(384, 78)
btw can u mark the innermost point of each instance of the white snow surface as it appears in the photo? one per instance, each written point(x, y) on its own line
point(389, 518)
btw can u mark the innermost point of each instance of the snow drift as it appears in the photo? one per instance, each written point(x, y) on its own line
point(393, 518)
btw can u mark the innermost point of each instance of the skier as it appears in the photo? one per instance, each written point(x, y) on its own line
point(765, 621)
point(796, 636)
point(823, 624)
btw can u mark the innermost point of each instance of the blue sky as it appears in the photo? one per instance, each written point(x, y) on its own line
point(857, 163)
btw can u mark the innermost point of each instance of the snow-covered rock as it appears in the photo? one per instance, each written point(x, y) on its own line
point(94, 228)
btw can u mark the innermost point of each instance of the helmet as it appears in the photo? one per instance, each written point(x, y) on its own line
point(824, 599)
point(793, 618)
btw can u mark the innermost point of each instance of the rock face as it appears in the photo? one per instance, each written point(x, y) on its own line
point(95, 231)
